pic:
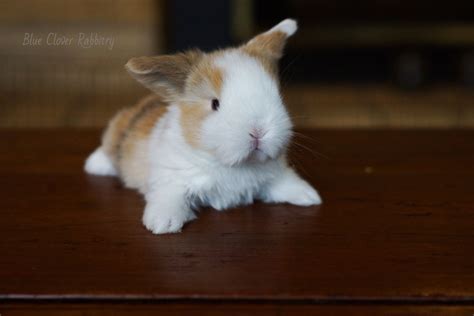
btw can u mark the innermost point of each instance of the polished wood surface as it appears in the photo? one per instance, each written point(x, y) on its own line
point(396, 229)
point(209, 309)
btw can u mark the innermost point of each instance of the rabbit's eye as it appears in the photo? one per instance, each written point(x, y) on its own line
point(215, 104)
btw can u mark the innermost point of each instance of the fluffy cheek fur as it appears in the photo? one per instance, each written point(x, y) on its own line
point(205, 130)
point(227, 144)
point(230, 141)
point(250, 104)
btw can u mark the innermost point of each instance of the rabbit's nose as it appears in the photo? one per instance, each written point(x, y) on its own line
point(256, 133)
point(255, 140)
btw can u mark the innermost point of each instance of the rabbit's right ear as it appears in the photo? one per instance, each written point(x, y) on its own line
point(268, 47)
point(165, 74)
point(271, 43)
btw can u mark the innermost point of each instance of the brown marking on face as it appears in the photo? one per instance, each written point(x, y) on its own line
point(205, 83)
point(214, 76)
point(206, 76)
point(192, 116)
point(269, 64)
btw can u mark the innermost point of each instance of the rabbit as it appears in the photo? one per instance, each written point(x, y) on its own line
point(214, 133)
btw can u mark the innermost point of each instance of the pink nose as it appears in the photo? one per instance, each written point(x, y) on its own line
point(255, 134)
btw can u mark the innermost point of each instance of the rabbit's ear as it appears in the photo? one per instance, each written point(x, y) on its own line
point(271, 43)
point(165, 74)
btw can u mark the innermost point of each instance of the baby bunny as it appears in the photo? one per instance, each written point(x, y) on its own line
point(214, 133)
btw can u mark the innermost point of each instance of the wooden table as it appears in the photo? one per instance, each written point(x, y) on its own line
point(395, 235)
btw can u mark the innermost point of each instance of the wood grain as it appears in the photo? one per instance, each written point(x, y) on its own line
point(396, 228)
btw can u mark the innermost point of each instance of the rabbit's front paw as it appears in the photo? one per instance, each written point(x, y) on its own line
point(290, 188)
point(164, 222)
point(303, 194)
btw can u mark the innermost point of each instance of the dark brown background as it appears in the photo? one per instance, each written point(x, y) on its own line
point(350, 65)
point(384, 90)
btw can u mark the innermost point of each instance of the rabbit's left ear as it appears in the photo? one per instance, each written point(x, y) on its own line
point(166, 74)
point(271, 43)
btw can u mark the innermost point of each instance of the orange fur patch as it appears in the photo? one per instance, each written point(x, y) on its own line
point(214, 76)
point(206, 73)
point(140, 119)
point(269, 64)
point(205, 81)
point(270, 44)
point(192, 116)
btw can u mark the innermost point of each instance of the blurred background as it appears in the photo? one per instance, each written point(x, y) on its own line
point(353, 64)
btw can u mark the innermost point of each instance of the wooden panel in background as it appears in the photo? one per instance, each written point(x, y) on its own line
point(73, 83)
point(57, 11)
point(80, 104)
point(379, 106)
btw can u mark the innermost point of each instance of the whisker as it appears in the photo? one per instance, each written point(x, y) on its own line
point(312, 151)
point(306, 137)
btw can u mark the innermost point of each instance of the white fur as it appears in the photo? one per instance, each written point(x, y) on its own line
point(99, 164)
point(290, 188)
point(249, 100)
point(225, 171)
point(288, 26)
point(183, 178)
